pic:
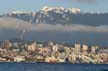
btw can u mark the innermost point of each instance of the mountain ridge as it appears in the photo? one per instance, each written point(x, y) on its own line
point(60, 15)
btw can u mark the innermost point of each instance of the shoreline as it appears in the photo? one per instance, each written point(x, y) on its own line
point(55, 63)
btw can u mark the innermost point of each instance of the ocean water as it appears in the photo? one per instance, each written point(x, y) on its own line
point(52, 67)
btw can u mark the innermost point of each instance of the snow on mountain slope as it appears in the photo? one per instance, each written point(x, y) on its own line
point(55, 15)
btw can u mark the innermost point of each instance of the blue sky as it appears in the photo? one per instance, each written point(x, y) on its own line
point(35, 5)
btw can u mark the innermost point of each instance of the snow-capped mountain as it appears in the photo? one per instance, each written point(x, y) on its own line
point(46, 15)
point(60, 15)
point(60, 9)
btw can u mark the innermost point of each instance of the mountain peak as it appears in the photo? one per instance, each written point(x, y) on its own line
point(19, 12)
point(61, 9)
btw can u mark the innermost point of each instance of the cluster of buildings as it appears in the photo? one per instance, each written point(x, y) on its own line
point(52, 53)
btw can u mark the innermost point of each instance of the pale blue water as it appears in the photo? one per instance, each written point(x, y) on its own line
point(51, 67)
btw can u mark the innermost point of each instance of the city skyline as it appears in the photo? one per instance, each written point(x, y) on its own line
point(52, 53)
point(35, 5)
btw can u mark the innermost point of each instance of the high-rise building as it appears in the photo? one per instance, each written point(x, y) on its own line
point(67, 51)
point(77, 49)
point(55, 48)
point(6, 44)
point(93, 49)
point(32, 47)
point(84, 48)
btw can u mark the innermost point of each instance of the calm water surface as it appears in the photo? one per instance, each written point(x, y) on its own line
point(51, 67)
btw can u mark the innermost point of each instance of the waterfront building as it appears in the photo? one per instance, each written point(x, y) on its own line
point(39, 58)
point(72, 58)
point(77, 49)
point(51, 59)
point(93, 49)
point(32, 47)
point(61, 55)
point(60, 60)
point(84, 49)
point(6, 44)
point(68, 51)
point(19, 58)
point(55, 48)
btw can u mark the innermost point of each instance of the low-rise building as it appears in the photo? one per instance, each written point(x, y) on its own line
point(19, 58)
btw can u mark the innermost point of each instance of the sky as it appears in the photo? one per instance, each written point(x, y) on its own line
point(7, 6)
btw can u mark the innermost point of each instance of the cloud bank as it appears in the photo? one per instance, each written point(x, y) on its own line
point(16, 24)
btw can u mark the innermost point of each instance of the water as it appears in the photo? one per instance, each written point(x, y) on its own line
point(51, 67)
